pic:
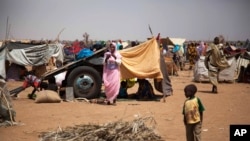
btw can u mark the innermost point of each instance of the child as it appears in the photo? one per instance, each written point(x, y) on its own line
point(30, 80)
point(123, 90)
point(193, 113)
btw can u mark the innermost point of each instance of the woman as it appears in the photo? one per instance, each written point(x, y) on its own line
point(192, 53)
point(111, 73)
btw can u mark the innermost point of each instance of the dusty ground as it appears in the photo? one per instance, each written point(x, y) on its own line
point(230, 106)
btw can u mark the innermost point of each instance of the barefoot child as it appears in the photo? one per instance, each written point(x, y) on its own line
point(193, 114)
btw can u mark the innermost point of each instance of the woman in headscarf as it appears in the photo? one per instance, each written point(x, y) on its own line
point(201, 48)
point(192, 53)
point(111, 74)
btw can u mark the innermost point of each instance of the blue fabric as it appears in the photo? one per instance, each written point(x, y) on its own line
point(176, 48)
point(84, 53)
point(123, 93)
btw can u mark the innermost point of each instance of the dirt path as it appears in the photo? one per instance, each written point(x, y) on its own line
point(230, 106)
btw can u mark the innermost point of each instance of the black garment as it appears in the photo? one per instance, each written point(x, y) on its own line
point(52, 87)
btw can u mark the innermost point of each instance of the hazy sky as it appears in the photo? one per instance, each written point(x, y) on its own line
point(125, 19)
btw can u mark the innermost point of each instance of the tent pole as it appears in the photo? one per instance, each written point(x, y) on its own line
point(57, 37)
point(150, 30)
point(7, 26)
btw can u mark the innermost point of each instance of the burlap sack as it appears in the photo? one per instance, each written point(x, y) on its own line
point(47, 96)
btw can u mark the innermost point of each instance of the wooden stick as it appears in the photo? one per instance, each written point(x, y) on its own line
point(8, 106)
point(58, 35)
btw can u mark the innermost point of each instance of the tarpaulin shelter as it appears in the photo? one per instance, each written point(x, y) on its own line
point(201, 72)
point(172, 41)
point(29, 54)
point(141, 61)
point(145, 61)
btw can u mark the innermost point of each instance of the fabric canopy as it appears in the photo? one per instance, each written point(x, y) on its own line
point(177, 41)
point(28, 54)
point(173, 41)
point(142, 61)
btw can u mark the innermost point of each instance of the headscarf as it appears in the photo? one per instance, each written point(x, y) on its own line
point(116, 53)
point(201, 48)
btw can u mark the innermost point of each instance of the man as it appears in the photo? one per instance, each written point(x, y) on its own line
point(215, 61)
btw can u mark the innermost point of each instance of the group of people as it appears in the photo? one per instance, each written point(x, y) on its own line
point(192, 109)
point(215, 59)
point(111, 77)
point(112, 59)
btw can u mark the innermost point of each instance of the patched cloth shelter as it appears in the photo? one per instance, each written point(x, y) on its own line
point(29, 54)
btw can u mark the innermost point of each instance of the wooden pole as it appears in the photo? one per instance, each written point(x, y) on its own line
point(7, 27)
point(57, 38)
point(150, 30)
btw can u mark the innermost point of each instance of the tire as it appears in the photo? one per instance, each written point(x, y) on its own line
point(86, 82)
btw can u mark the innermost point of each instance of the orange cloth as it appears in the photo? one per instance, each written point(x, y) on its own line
point(142, 61)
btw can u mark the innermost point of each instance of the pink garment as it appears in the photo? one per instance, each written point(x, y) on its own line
point(201, 48)
point(111, 76)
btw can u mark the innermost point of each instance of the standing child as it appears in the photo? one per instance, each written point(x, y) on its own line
point(193, 114)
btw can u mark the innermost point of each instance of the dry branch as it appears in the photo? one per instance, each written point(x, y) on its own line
point(114, 131)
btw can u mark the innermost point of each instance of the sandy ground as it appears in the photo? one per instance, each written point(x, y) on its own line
point(229, 106)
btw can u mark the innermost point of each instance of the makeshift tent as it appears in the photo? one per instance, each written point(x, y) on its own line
point(142, 61)
point(177, 41)
point(172, 41)
point(201, 72)
point(29, 54)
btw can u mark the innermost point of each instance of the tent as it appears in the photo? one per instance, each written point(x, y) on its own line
point(172, 41)
point(146, 61)
point(201, 72)
point(29, 54)
point(177, 41)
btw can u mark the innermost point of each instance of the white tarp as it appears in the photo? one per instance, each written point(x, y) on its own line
point(2, 63)
point(178, 41)
point(201, 72)
point(34, 56)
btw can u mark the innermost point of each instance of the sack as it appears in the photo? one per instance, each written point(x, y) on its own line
point(47, 96)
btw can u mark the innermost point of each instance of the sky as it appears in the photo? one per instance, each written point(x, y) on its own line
point(125, 19)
